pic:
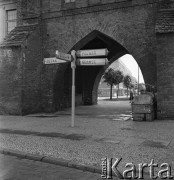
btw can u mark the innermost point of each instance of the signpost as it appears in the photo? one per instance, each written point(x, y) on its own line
point(82, 61)
point(53, 60)
point(73, 66)
point(92, 62)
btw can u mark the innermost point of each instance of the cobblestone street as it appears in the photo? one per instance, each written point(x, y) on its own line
point(96, 135)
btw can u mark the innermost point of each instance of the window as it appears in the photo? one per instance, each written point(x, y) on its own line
point(69, 1)
point(11, 19)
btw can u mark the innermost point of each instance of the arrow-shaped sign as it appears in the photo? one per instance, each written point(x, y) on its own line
point(92, 53)
point(53, 60)
point(63, 56)
point(92, 62)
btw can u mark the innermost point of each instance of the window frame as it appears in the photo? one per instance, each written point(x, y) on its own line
point(4, 8)
point(8, 21)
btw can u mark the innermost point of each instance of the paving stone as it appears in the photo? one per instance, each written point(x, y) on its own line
point(133, 141)
point(90, 168)
point(14, 153)
point(156, 143)
point(112, 141)
point(76, 166)
point(51, 160)
point(34, 157)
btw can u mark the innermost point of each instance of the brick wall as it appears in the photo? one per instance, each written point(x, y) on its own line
point(10, 81)
point(48, 87)
point(130, 23)
point(165, 73)
point(31, 95)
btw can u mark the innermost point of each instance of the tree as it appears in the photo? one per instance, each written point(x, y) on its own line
point(109, 79)
point(118, 76)
point(112, 77)
point(127, 82)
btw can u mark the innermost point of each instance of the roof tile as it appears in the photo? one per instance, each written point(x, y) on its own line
point(17, 36)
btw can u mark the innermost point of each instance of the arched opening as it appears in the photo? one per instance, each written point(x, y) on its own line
point(88, 77)
point(132, 78)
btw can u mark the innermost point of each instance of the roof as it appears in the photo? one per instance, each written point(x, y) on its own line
point(17, 36)
point(165, 21)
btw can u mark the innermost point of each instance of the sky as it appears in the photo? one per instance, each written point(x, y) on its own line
point(132, 65)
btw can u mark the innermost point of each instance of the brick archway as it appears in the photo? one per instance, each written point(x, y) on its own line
point(88, 78)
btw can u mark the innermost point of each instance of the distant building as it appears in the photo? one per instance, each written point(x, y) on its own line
point(104, 88)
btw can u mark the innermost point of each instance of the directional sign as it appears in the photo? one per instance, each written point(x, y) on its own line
point(53, 60)
point(92, 53)
point(63, 56)
point(92, 62)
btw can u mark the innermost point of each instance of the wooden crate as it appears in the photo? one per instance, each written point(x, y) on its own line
point(142, 108)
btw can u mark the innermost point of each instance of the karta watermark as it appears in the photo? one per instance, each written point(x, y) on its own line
point(132, 171)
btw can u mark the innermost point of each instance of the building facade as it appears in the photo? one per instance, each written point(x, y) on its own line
point(142, 28)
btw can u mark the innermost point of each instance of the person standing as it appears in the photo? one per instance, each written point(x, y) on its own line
point(131, 96)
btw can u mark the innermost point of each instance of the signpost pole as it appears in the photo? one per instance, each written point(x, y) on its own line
point(73, 66)
point(138, 80)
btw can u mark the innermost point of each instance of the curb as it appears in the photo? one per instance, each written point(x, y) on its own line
point(50, 160)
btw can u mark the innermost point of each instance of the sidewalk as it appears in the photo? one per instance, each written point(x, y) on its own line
point(96, 135)
point(23, 169)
